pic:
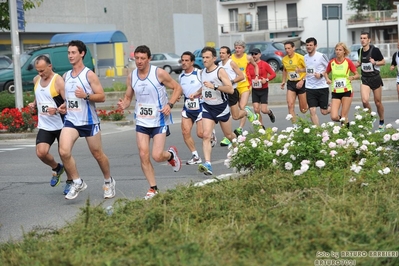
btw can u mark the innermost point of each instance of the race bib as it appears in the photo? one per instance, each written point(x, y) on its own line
point(192, 104)
point(209, 95)
point(310, 71)
point(367, 67)
point(293, 75)
point(340, 83)
point(43, 108)
point(73, 105)
point(147, 111)
point(256, 85)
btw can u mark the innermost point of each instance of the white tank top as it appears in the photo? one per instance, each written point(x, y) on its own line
point(191, 83)
point(315, 64)
point(209, 95)
point(80, 112)
point(151, 97)
point(230, 71)
point(45, 98)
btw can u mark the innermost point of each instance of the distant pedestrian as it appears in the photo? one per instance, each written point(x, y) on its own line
point(340, 83)
point(260, 88)
point(294, 79)
point(370, 61)
point(49, 89)
point(82, 90)
point(152, 112)
point(395, 63)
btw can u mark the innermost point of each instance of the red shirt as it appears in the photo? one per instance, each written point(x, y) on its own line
point(265, 71)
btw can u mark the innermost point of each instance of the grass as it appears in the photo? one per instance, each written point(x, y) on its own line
point(263, 219)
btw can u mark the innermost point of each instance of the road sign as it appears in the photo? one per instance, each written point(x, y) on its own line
point(21, 15)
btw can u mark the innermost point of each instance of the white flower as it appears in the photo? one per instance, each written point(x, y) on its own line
point(352, 179)
point(256, 123)
point(254, 144)
point(305, 162)
point(245, 133)
point(352, 123)
point(292, 157)
point(324, 125)
point(230, 154)
point(397, 121)
point(241, 139)
point(227, 163)
point(358, 117)
point(384, 171)
point(323, 152)
point(333, 153)
point(349, 134)
point(335, 131)
point(275, 162)
point(306, 130)
point(262, 131)
point(357, 107)
point(332, 145)
point(387, 137)
point(320, 163)
point(288, 117)
point(360, 126)
point(388, 125)
point(298, 172)
point(278, 152)
point(373, 113)
point(362, 161)
point(325, 139)
point(284, 152)
point(366, 109)
point(304, 167)
point(288, 166)
point(274, 129)
point(331, 124)
point(355, 168)
point(364, 184)
point(235, 150)
point(395, 137)
point(365, 142)
point(340, 142)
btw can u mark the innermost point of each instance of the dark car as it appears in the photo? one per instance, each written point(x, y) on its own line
point(5, 61)
point(198, 58)
point(272, 52)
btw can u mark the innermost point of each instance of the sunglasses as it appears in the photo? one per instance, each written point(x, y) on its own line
point(254, 53)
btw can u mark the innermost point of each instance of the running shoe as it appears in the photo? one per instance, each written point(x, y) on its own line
point(55, 180)
point(75, 189)
point(271, 116)
point(250, 114)
point(175, 162)
point(225, 142)
point(150, 194)
point(214, 140)
point(109, 189)
point(67, 186)
point(205, 168)
point(381, 128)
point(194, 160)
point(238, 131)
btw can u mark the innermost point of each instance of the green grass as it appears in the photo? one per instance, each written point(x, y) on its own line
point(263, 219)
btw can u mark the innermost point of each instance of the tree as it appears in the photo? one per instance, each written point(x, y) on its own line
point(5, 13)
point(370, 5)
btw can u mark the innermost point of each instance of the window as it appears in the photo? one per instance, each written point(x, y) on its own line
point(233, 15)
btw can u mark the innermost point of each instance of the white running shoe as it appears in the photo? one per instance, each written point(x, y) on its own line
point(194, 160)
point(75, 189)
point(109, 189)
point(175, 162)
point(150, 194)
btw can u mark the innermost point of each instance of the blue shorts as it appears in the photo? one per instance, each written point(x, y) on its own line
point(194, 116)
point(220, 112)
point(152, 131)
point(86, 130)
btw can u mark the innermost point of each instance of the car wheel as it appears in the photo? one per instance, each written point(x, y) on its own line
point(168, 69)
point(10, 87)
point(274, 65)
point(178, 72)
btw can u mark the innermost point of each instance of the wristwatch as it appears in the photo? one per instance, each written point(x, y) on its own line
point(216, 87)
point(170, 105)
point(87, 97)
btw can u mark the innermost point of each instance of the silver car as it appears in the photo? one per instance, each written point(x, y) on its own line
point(168, 61)
point(354, 56)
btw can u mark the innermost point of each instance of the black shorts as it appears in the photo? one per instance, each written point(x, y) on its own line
point(373, 82)
point(234, 98)
point(317, 97)
point(291, 86)
point(339, 96)
point(45, 136)
point(260, 96)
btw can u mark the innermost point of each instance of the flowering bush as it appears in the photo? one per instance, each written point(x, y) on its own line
point(329, 148)
point(112, 115)
point(14, 120)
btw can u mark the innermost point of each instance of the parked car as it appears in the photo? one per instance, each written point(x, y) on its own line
point(198, 58)
point(354, 56)
point(330, 53)
point(5, 61)
point(300, 51)
point(171, 62)
point(272, 52)
point(58, 55)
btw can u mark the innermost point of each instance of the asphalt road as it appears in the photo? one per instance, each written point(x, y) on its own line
point(28, 202)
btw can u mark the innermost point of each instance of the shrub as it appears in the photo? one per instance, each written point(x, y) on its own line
point(112, 115)
point(14, 120)
point(7, 100)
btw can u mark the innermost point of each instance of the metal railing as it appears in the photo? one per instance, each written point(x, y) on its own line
point(372, 17)
point(258, 25)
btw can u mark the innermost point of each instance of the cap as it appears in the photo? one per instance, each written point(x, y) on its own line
point(255, 51)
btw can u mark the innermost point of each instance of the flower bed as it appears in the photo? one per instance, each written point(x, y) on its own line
point(112, 115)
point(13, 120)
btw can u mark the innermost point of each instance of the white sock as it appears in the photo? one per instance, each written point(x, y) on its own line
point(78, 181)
point(195, 153)
point(108, 180)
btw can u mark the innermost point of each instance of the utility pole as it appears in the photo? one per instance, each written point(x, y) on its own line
point(16, 53)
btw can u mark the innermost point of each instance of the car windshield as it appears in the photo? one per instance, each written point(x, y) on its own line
point(24, 57)
point(173, 55)
point(279, 46)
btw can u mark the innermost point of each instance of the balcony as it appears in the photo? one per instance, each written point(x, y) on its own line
point(372, 19)
point(273, 26)
point(234, 2)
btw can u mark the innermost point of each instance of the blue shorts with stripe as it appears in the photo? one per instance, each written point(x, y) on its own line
point(84, 131)
point(220, 112)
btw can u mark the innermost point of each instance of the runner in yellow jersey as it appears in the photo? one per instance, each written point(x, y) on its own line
point(340, 83)
point(292, 63)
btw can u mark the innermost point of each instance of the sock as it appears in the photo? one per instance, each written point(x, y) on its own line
point(155, 188)
point(108, 180)
point(382, 122)
point(57, 168)
point(171, 156)
point(78, 181)
point(195, 153)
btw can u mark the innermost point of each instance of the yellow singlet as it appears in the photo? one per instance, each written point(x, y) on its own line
point(290, 65)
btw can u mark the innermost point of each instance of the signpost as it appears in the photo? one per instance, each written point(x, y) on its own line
point(21, 15)
point(332, 12)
